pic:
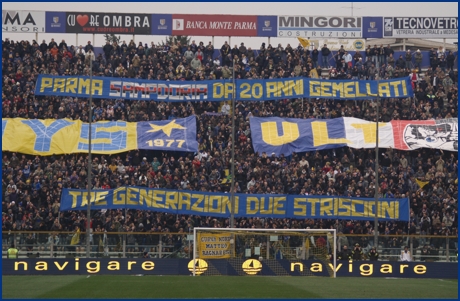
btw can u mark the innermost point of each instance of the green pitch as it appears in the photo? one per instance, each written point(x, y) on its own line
point(109, 287)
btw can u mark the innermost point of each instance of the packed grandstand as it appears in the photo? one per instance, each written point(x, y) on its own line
point(32, 185)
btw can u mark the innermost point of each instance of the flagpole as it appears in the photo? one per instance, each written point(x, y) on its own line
point(88, 208)
point(232, 192)
point(376, 218)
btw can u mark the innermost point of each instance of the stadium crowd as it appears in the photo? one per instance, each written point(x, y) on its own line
point(32, 184)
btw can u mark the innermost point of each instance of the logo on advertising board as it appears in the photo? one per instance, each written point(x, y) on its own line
point(199, 266)
point(215, 25)
point(388, 27)
point(23, 21)
point(161, 24)
point(319, 27)
point(55, 22)
point(372, 27)
point(359, 45)
point(252, 266)
point(178, 24)
point(266, 26)
point(108, 23)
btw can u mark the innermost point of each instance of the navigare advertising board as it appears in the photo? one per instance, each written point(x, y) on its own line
point(214, 25)
point(319, 27)
point(23, 21)
point(108, 23)
point(233, 266)
point(421, 27)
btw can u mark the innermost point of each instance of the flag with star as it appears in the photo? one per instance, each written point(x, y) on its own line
point(174, 135)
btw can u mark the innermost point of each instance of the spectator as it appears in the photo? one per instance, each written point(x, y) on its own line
point(345, 254)
point(381, 55)
point(32, 185)
point(405, 255)
point(89, 47)
point(348, 59)
point(357, 253)
point(325, 56)
point(408, 59)
point(12, 252)
point(418, 60)
point(373, 255)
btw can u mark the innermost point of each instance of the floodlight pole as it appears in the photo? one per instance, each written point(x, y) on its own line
point(88, 208)
point(232, 186)
point(376, 218)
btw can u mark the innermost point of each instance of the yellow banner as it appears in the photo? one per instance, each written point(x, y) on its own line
point(420, 183)
point(64, 136)
point(216, 246)
point(304, 42)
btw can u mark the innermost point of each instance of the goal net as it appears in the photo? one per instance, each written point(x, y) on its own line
point(270, 252)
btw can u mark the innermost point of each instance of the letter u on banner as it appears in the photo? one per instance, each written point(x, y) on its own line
point(271, 136)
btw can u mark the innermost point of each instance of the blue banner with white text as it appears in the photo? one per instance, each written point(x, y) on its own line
point(246, 205)
point(221, 90)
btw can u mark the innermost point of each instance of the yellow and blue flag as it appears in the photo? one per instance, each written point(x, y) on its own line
point(65, 136)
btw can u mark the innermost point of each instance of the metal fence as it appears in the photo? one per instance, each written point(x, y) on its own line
point(180, 245)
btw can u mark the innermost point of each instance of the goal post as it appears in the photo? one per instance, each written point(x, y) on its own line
point(275, 252)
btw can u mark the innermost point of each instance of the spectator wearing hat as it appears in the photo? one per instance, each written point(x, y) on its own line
point(418, 57)
point(357, 253)
point(373, 255)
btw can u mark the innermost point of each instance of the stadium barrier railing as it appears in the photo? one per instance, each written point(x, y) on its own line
point(33, 244)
